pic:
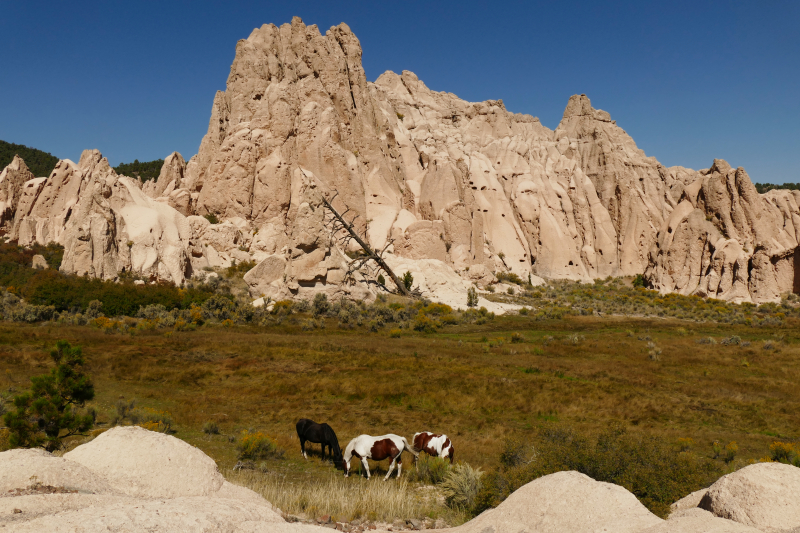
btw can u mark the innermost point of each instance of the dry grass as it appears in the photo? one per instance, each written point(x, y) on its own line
point(347, 499)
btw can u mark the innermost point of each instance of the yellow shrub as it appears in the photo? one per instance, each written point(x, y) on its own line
point(256, 446)
point(783, 452)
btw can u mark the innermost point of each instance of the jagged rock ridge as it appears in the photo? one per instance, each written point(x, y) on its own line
point(472, 186)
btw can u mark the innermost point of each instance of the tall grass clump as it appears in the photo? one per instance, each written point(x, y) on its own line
point(344, 499)
point(429, 469)
point(461, 486)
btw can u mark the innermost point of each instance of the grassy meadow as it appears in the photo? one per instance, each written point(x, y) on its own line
point(687, 384)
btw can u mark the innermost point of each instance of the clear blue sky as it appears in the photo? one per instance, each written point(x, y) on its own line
point(690, 81)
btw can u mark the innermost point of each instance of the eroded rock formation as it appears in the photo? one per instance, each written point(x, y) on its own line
point(724, 240)
point(471, 186)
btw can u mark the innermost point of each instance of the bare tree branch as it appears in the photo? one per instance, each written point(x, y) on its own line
point(340, 223)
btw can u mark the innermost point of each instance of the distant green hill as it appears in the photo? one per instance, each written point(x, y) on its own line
point(147, 171)
point(764, 187)
point(40, 163)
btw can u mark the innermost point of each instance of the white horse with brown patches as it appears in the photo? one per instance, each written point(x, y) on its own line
point(378, 448)
point(435, 445)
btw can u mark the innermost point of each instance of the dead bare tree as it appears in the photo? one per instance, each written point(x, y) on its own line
point(340, 223)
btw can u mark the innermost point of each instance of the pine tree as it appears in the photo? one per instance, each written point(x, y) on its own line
point(48, 412)
point(408, 280)
point(472, 297)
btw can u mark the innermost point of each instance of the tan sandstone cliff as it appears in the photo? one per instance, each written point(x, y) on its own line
point(457, 187)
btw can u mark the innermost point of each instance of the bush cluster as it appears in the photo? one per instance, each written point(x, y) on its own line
point(615, 296)
point(655, 471)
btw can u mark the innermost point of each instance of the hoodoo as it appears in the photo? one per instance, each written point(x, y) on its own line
point(456, 189)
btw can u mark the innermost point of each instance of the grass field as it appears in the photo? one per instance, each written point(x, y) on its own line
point(480, 384)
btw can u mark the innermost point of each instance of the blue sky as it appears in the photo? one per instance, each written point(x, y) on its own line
point(690, 81)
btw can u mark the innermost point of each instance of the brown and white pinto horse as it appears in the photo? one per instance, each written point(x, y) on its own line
point(378, 448)
point(435, 445)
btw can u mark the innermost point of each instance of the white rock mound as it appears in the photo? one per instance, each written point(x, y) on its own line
point(128, 480)
point(20, 468)
point(699, 521)
point(123, 454)
point(763, 495)
point(561, 502)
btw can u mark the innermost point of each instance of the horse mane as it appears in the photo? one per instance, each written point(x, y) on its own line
point(330, 436)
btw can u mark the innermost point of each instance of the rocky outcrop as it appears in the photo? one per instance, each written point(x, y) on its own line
point(105, 223)
point(12, 182)
point(169, 186)
point(467, 184)
point(726, 241)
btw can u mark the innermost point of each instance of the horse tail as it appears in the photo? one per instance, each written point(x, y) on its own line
point(414, 450)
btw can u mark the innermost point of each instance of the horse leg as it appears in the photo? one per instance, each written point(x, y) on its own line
point(366, 465)
point(391, 467)
point(303, 448)
point(399, 465)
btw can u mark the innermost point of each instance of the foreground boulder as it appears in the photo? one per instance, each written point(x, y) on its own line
point(763, 495)
point(148, 464)
point(699, 521)
point(565, 502)
point(128, 479)
point(21, 468)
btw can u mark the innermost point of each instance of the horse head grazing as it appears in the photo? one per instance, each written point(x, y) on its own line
point(348, 454)
point(333, 442)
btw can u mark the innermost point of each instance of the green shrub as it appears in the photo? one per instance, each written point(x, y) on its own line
point(321, 305)
point(240, 269)
point(73, 293)
point(509, 277)
point(219, 308)
point(211, 428)
point(212, 218)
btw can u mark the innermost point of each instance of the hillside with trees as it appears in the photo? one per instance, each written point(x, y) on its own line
point(147, 170)
point(39, 162)
point(764, 187)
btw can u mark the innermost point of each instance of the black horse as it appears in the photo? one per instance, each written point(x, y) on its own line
point(308, 430)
